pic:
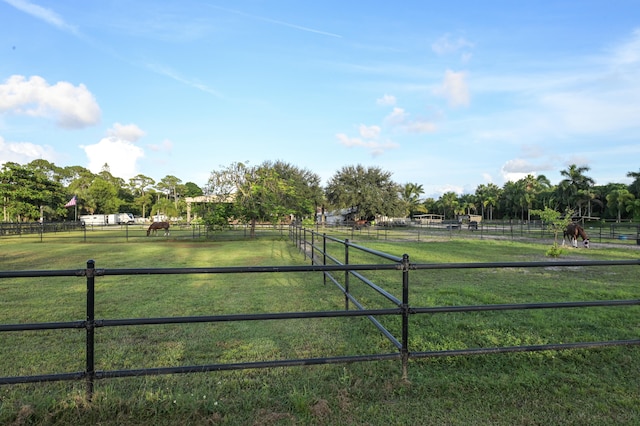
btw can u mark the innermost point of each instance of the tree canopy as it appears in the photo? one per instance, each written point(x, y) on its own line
point(276, 190)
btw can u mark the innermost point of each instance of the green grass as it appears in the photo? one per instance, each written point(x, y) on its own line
point(552, 387)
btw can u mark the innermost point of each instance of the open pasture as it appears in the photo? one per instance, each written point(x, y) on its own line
point(570, 387)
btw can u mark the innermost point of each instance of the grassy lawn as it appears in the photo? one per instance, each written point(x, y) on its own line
point(598, 386)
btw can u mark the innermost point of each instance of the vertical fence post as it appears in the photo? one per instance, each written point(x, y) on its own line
point(304, 242)
point(346, 275)
point(324, 256)
point(313, 234)
point(90, 326)
point(405, 317)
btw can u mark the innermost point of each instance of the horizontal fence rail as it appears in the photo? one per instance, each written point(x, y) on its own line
point(335, 266)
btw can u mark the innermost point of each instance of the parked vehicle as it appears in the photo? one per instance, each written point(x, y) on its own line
point(93, 219)
point(106, 219)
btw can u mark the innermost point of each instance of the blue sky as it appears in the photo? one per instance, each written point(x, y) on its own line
point(449, 95)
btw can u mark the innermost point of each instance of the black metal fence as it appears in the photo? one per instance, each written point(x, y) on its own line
point(599, 232)
point(625, 233)
point(336, 268)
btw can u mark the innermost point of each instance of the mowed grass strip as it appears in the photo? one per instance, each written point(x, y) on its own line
point(570, 387)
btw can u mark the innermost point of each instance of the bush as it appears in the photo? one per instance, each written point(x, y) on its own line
point(554, 251)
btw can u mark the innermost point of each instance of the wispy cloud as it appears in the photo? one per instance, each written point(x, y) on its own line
point(277, 22)
point(162, 70)
point(44, 14)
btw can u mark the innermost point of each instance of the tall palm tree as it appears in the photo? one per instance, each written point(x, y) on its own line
point(575, 180)
point(449, 201)
point(410, 195)
point(487, 196)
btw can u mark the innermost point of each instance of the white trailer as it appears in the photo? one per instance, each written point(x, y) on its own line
point(119, 218)
point(93, 219)
point(126, 218)
point(107, 219)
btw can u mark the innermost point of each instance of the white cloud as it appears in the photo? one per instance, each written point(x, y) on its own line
point(516, 169)
point(166, 146)
point(119, 153)
point(454, 88)
point(386, 100)
point(129, 132)
point(399, 118)
point(70, 106)
point(24, 152)
point(374, 146)
point(443, 189)
point(628, 53)
point(449, 44)
point(369, 132)
point(420, 127)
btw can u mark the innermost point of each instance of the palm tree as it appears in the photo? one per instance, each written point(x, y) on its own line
point(449, 201)
point(410, 195)
point(487, 196)
point(619, 197)
point(468, 203)
point(575, 180)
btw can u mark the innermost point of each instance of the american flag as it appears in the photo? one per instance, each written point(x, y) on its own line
point(72, 202)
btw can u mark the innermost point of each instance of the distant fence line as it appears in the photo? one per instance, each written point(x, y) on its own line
point(126, 232)
point(618, 233)
point(336, 268)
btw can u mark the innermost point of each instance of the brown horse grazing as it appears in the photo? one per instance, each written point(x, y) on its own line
point(361, 223)
point(572, 231)
point(158, 225)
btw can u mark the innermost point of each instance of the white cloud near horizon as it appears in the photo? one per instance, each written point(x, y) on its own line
point(117, 150)
point(24, 152)
point(72, 107)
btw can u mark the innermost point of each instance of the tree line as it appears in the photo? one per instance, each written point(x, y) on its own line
point(273, 190)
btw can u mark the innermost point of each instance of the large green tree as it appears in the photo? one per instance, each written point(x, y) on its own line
point(28, 192)
point(369, 192)
point(303, 193)
point(102, 197)
point(172, 187)
point(140, 185)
